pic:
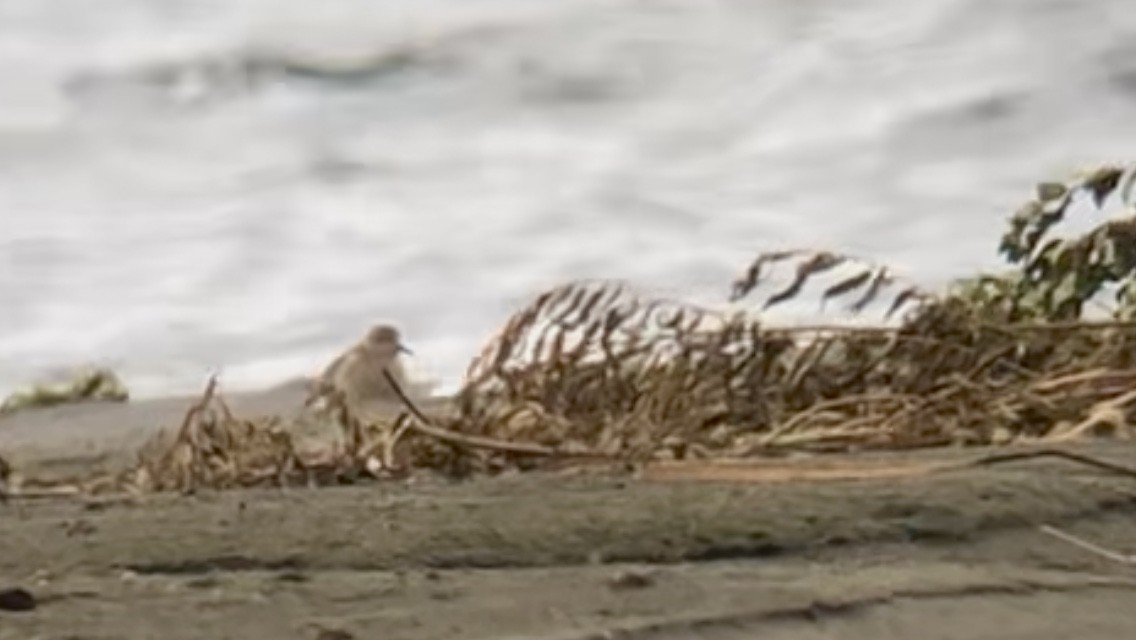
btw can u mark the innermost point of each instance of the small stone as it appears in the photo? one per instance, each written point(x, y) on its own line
point(630, 580)
point(293, 576)
point(16, 600)
point(1001, 436)
point(78, 528)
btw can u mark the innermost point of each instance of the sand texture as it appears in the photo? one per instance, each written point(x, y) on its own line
point(792, 553)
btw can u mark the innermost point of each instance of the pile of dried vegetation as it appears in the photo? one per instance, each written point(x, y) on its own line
point(995, 358)
point(594, 371)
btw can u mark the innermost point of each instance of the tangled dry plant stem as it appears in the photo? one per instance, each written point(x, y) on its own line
point(1078, 458)
point(804, 416)
point(1091, 547)
point(424, 425)
point(197, 408)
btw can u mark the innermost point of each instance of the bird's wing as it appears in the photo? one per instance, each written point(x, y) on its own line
point(326, 380)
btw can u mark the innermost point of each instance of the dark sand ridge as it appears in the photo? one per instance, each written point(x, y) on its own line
point(952, 554)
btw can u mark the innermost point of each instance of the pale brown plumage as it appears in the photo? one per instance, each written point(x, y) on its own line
point(358, 372)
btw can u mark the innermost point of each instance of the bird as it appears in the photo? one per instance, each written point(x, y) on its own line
point(357, 373)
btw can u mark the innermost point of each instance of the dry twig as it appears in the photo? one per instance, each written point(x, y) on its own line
point(1109, 554)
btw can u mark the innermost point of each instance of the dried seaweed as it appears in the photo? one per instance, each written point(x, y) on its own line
point(995, 358)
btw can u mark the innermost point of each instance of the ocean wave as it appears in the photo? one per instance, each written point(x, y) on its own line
point(211, 78)
point(251, 184)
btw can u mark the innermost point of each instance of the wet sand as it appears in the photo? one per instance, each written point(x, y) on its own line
point(935, 555)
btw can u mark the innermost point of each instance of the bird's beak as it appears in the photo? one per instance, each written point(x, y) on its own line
point(402, 349)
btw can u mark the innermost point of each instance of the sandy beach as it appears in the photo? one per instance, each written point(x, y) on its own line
point(569, 555)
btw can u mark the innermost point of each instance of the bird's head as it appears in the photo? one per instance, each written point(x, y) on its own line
point(384, 338)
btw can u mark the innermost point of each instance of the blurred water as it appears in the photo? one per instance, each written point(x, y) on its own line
point(188, 185)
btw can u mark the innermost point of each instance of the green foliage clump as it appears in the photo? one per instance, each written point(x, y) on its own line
point(83, 385)
point(1055, 277)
